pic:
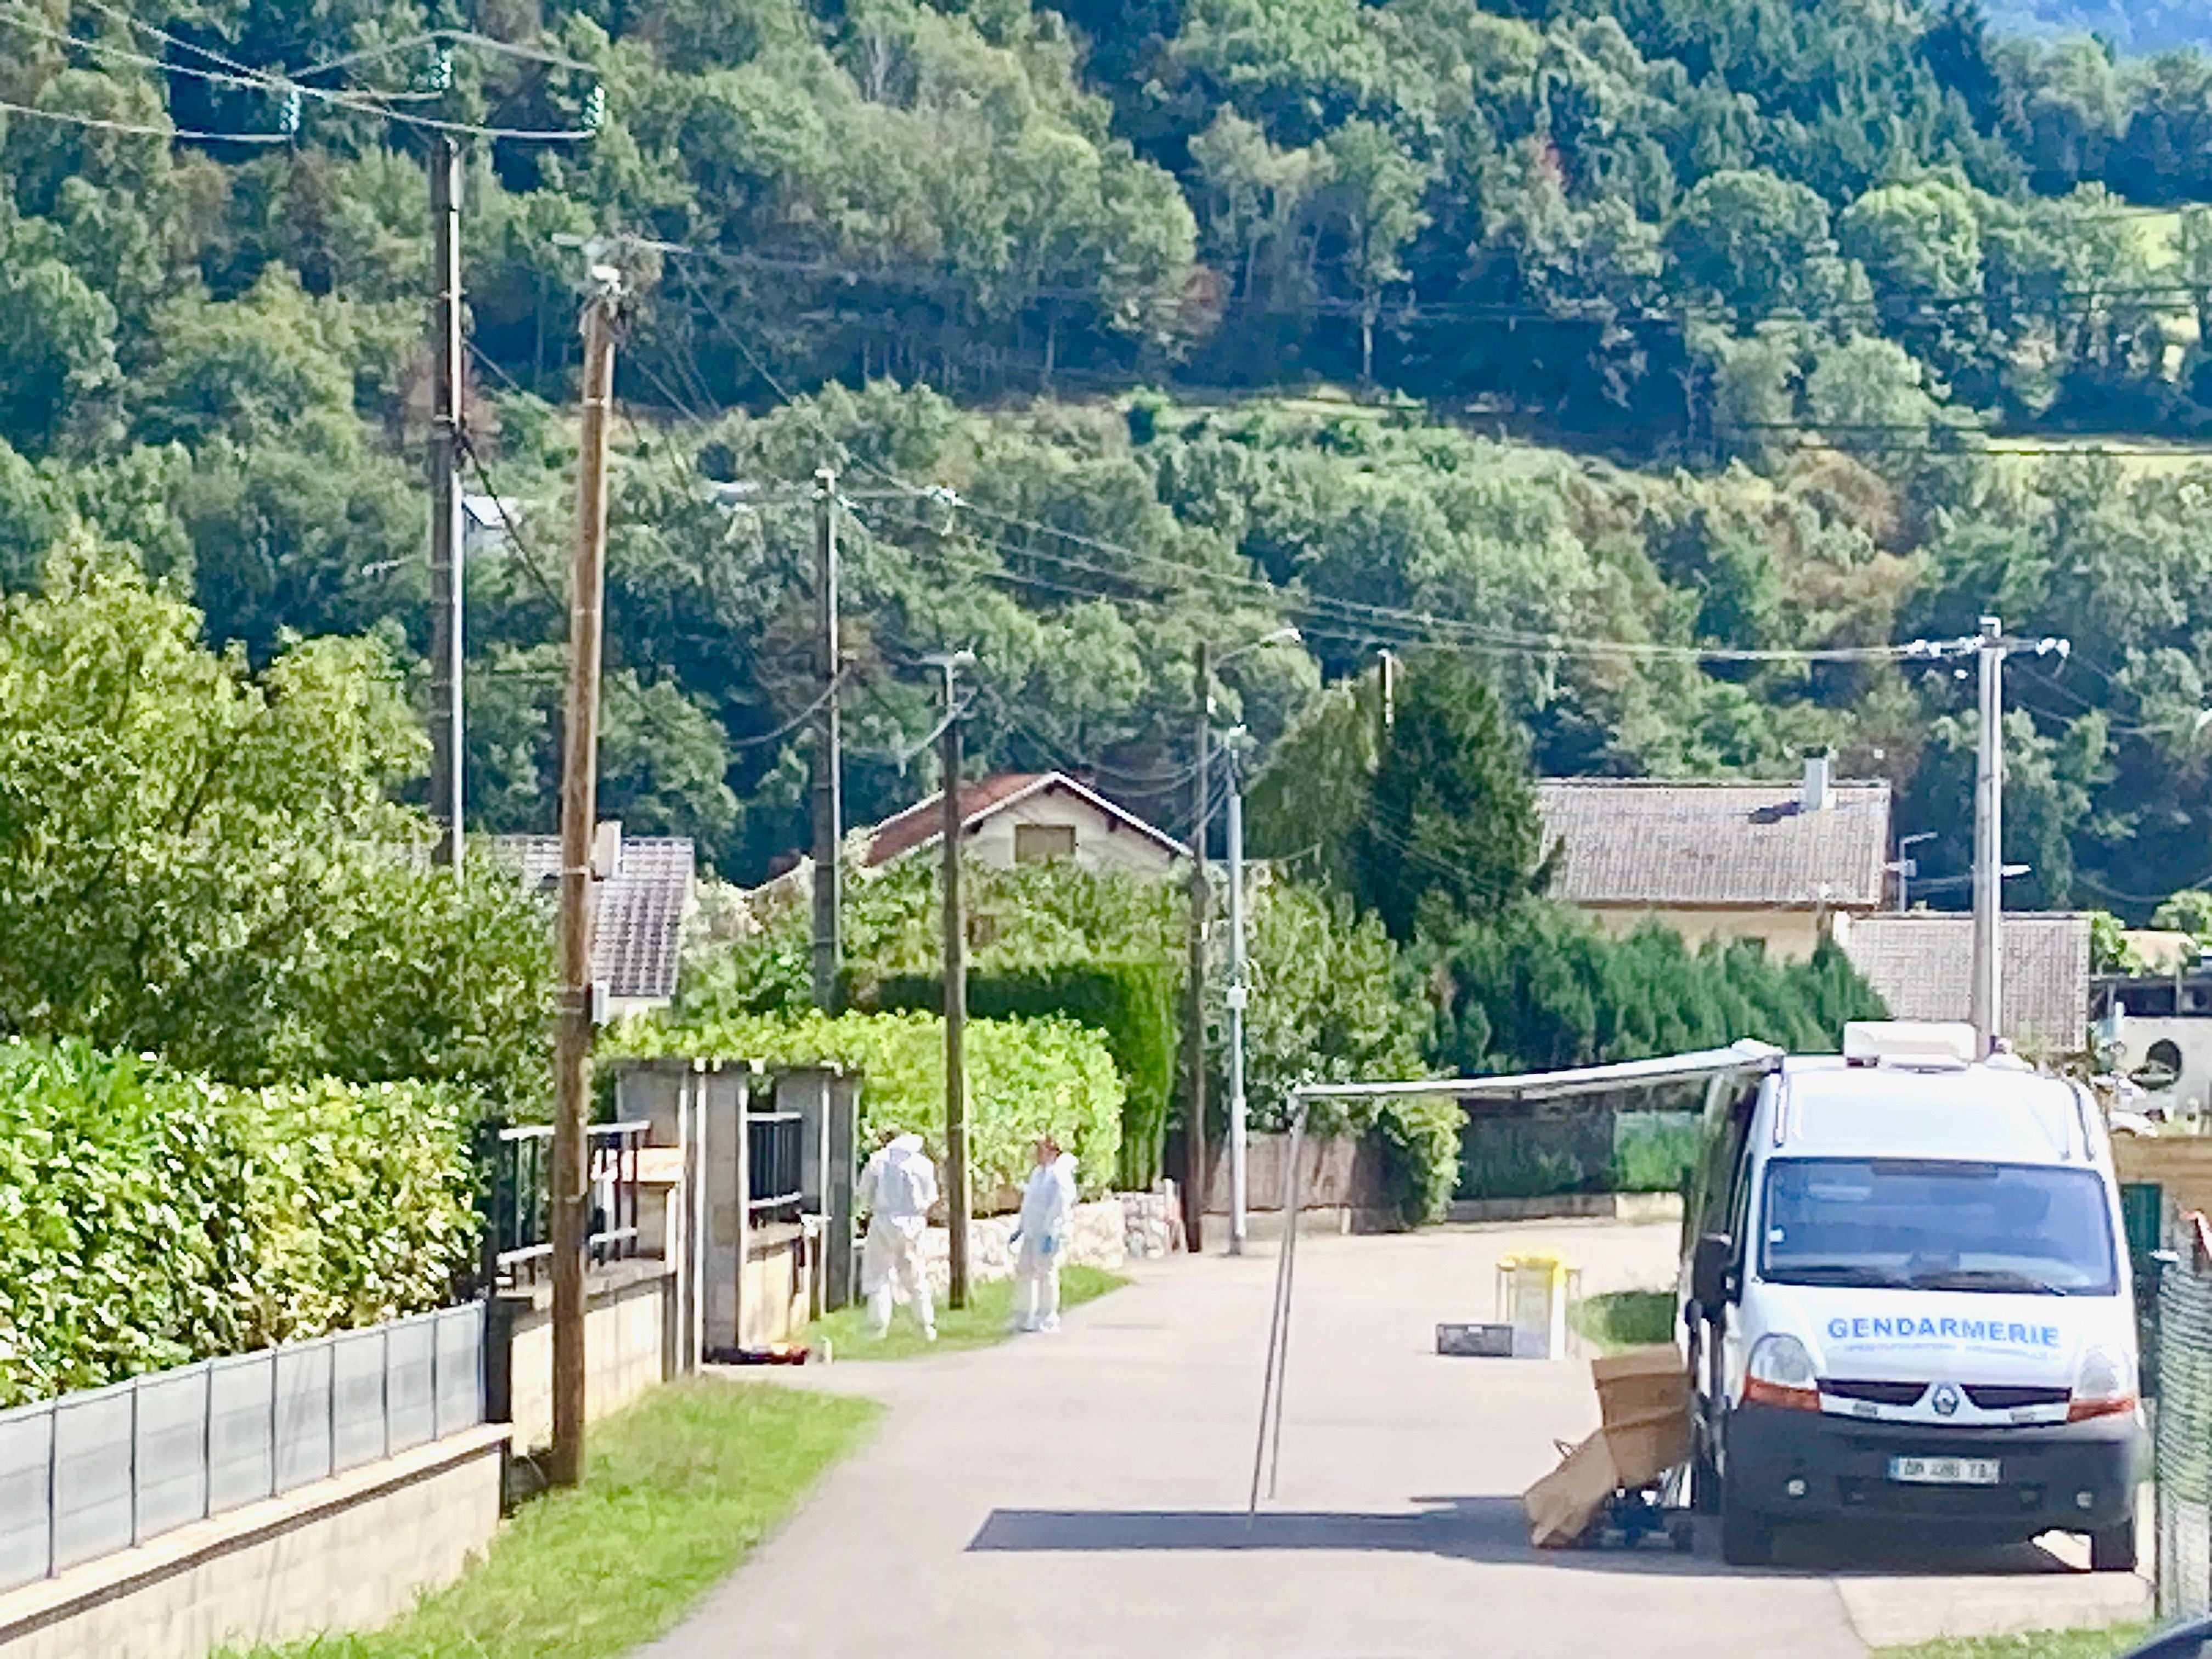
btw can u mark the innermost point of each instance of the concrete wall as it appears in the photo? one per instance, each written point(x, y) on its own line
point(1787, 935)
point(629, 1337)
point(2182, 1164)
point(346, 1553)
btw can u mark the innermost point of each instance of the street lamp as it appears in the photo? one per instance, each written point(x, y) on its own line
point(1239, 990)
point(1906, 867)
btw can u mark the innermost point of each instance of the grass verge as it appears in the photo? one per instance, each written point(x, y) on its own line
point(678, 1489)
point(2040, 1645)
point(984, 1321)
point(1626, 1319)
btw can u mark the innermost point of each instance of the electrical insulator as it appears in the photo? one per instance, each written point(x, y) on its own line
point(290, 118)
point(595, 109)
point(442, 71)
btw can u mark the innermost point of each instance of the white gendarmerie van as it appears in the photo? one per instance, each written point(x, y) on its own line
point(1905, 1298)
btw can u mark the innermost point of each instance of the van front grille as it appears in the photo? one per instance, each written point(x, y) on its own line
point(1993, 1397)
point(1880, 1394)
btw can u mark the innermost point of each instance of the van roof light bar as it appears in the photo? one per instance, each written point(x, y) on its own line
point(1909, 1045)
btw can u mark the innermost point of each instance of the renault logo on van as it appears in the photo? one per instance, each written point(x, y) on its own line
point(1946, 1400)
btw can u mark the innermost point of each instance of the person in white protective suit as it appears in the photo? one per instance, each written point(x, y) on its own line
point(895, 1191)
point(1041, 1237)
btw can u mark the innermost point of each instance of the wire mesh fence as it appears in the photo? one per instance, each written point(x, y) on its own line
point(2182, 1442)
point(93, 1473)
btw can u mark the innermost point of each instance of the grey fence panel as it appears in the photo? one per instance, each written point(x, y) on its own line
point(357, 1367)
point(240, 1443)
point(301, 1414)
point(460, 1369)
point(410, 1383)
point(91, 1474)
point(2183, 1444)
point(93, 1496)
point(26, 1448)
point(170, 1451)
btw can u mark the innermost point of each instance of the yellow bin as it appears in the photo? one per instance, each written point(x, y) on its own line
point(1535, 1291)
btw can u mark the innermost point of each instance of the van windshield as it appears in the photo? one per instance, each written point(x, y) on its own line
point(1930, 1225)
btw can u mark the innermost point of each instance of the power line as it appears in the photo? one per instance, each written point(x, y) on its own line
point(185, 134)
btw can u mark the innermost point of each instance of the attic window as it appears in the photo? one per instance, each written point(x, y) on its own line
point(1043, 843)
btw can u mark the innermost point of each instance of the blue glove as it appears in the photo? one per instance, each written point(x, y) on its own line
point(1048, 1245)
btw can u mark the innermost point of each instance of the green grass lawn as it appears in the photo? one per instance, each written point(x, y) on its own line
point(1626, 1319)
point(2043, 1644)
point(984, 1321)
point(679, 1488)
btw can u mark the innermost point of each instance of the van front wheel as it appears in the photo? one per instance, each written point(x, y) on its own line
point(1747, 1536)
point(2113, 1549)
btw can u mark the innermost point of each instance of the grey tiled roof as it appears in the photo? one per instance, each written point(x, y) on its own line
point(1922, 965)
point(1638, 843)
point(638, 915)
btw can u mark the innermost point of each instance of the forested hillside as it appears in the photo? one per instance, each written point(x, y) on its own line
point(1677, 326)
point(2141, 26)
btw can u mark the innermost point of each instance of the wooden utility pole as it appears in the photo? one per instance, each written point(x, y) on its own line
point(580, 764)
point(447, 646)
point(1201, 906)
point(956, 992)
point(829, 762)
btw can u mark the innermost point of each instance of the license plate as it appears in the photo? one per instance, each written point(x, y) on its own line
point(1945, 1471)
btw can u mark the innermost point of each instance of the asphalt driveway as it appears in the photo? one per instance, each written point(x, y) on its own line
point(1083, 1494)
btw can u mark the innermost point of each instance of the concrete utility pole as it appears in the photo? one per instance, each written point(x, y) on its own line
point(956, 987)
point(1990, 647)
point(1201, 910)
point(448, 648)
point(1238, 996)
point(579, 762)
point(827, 789)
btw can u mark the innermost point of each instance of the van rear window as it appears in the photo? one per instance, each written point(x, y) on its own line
point(1918, 1224)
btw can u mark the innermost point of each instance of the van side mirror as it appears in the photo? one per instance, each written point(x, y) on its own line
point(1713, 1277)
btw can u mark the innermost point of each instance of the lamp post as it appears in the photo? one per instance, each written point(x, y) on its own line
point(1239, 990)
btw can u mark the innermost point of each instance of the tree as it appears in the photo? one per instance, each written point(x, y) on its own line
point(206, 861)
point(1374, 190)
point(1756, 244)
point(1450, 830)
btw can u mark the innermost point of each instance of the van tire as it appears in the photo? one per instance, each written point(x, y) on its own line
point(2113, 1549)
point(1747, 1536)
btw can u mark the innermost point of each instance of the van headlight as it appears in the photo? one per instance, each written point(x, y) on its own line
point(2104, 1386)
point(1780, 1373)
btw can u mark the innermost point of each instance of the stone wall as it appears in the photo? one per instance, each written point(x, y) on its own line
point(1149, 1225)
point(1097, 1237)
point(346, 1553)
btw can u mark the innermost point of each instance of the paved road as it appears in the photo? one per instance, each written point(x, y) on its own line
point(1084, 1495)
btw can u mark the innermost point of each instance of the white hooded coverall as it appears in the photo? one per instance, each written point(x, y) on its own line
point(1048, 1206)
point(897, 1189)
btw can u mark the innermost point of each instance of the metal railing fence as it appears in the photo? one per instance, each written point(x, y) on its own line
point(2182, 1442)
point(774, 1150)
point(90, 1473)
point(518, 1204)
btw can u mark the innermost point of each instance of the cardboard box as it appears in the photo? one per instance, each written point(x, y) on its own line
point(1644, 1404)
point(1644, 1400)
point(1562, 1505)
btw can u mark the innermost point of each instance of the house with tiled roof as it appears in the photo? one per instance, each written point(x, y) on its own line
point(1788, 864)
point(1032, 817)
point(1921, 963)
point(641, 888)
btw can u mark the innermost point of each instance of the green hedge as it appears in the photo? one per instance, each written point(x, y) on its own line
point(1131, 1004)
point(148, 1218)
point(1025, 1078)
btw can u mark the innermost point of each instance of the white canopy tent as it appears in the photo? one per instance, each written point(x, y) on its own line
point(1717, 1068)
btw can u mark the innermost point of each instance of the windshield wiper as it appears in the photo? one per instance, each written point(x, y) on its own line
point(1985, 1279)
point(1835, 1273)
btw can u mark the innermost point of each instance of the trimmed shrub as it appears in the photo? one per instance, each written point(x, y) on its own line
point(1131, 1004)
point(149, 1218)
point(1025, 1078)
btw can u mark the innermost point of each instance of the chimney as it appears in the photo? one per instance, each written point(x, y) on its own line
point(1816, 781)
